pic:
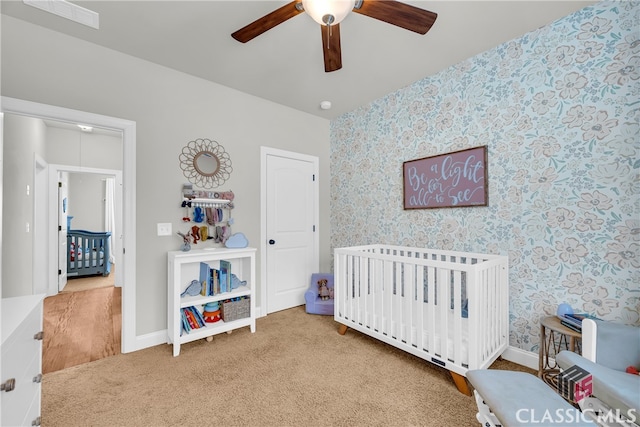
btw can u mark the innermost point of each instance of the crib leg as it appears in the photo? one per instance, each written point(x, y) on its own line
point(461, 383)
point(343, 329)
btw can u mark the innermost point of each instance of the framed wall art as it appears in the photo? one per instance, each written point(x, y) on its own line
point(451, 180)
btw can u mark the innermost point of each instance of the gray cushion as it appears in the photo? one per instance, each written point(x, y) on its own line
point(617, 389)
point(522, 399)
point(617, 345)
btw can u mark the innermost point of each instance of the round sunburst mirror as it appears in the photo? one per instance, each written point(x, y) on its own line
point(205, 163)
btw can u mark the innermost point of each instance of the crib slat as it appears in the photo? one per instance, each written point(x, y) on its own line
point(420, 305)
point(457, 317)
point(378, 296)
point(431, 312)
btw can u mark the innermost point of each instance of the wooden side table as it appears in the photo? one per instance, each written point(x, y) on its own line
point(554, 337)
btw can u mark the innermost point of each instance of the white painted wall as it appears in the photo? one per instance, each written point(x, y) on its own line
point(170, 109)
point(23, 138)
point(86, 201)
point(89, 150)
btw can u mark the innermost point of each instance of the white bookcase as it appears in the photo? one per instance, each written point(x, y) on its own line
point(184, 267)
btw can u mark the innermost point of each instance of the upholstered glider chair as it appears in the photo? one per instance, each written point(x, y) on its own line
point(608, 351)
point(319, 295)
point(510, 398)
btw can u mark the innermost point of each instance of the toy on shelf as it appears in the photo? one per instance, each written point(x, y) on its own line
point(236, 283)
point(211, 312)
point(186, 241)
point(194, 288)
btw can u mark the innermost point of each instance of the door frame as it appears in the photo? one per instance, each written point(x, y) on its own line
point(52, 253)
point(40, 225)
point(128, 129)
point(265, 152)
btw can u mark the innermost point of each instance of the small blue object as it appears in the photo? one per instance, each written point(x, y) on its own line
point(235, 282)
point(198, 214)
point(194, 288)
point(212, 306)
point(563, 309)
point(237, 240)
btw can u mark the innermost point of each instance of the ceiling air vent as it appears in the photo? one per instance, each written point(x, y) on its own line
point(67, 10)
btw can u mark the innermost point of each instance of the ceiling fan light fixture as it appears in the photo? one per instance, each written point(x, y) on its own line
point(328, 12)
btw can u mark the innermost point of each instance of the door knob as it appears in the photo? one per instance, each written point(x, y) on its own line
point(8, 385)
point(272, 242)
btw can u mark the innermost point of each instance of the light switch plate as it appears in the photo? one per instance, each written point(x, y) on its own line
point(164, 229)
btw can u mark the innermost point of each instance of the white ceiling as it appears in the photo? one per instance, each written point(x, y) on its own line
point(285, 64)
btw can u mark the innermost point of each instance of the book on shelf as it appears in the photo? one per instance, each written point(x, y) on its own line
point(225, 276)
point(215, 281)
point(205, 279)
point(191, 319)
point(211, 280)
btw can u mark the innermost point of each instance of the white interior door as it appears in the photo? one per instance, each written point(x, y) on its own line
point(63, 209)
point(291, 211)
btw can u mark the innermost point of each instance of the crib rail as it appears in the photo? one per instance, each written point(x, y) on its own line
point(449, 308)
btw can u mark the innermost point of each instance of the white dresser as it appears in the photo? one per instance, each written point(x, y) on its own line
point(21, 363)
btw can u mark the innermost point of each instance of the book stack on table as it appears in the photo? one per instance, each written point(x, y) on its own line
point(574, 321)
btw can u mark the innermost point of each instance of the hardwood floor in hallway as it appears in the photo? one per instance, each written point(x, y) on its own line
point(81, 327)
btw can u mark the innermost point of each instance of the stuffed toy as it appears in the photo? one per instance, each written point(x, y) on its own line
point(632, 370)
point(323, 290)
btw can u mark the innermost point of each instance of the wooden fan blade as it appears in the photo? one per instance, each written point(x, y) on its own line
point(399, 14)
point(267, 22)
point(331, 47)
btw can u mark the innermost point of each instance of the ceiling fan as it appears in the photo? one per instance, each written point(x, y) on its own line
point(329, 14)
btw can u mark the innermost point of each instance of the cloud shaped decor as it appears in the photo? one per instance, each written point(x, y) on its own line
point(237, 240)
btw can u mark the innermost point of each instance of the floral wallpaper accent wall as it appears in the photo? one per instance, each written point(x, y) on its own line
point(558, 109)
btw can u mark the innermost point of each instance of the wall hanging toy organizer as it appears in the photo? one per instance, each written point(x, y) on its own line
point(210, 214)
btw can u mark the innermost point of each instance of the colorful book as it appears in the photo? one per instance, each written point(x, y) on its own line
point(185, 322)
point(190, 319)
point(193, 318)
point(199, 317)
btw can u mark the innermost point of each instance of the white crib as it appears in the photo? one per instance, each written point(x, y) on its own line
point(448, 308)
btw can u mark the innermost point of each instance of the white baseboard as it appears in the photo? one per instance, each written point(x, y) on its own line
point(521, 357)
point(259, 312)
point(150, 340)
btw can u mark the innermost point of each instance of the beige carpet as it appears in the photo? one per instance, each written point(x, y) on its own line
point(296, 370)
